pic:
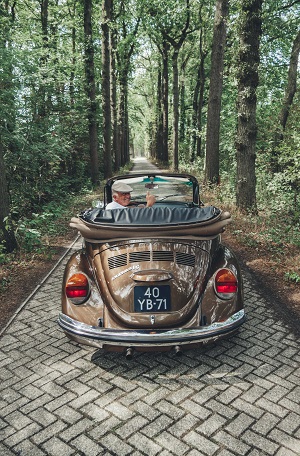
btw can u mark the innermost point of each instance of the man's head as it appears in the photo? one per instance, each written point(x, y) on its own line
point(121, 193)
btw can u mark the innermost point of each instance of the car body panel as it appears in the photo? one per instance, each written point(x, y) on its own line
point(151, 272)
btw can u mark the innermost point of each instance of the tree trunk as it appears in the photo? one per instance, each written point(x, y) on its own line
point(44, 59)
point(72, 73)
point(7, 128)
point(176, 44)
point(175, 109)
point(291, 83)
point(124, 58)
point(215, 93)
point(165, 102)
point(290, 91)
point(158, 153)
point(182, 110)
point(106, 106)
point(198, 97)
point(250, 33)
point(6, 234)
point(91, 91)
point(114, 109)
point(123, 119)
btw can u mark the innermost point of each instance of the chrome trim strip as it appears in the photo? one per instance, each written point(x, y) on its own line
point(138, 337)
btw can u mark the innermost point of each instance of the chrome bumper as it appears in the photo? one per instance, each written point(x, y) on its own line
point(96, 336)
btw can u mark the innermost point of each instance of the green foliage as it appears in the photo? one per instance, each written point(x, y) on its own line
point(292, 277)
point(31, 231)
point(29, 239)
point(34, 231)
point(3, 256)
point(43, 106)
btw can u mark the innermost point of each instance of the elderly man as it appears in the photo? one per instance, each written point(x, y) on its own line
point(121, 196)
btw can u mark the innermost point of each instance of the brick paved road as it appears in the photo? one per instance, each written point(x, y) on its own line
point(239, 397)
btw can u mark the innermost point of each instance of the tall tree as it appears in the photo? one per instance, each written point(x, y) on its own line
point(176, 44)
point(106, 101)
point(290, 91)
point(91, 91)
point(247, 74)
point(162, 120)
point(7, 235)
point(158, 146)
point(162, 102)
point(7, 121)
point(72, 11)
point(116, 152)
point(44, 59)
point(215, 93)
point(197, 102)
point(127, 32)
point(165, 102)
point(291, 82)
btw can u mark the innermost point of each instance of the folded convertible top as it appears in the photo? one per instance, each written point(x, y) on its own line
point(99, 225)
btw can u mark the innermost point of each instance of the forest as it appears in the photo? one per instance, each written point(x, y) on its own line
point(208, 86)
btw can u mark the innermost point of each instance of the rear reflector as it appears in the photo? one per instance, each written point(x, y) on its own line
point(226, 284)
point(77, 288)
point(76, 292)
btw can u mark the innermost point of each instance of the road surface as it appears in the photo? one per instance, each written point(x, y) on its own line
point(238, 397)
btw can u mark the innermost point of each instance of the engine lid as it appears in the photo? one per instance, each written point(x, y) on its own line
point(164, 279)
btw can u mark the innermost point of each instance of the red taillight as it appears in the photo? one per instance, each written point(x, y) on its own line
point(226, 284)
point(77, 288)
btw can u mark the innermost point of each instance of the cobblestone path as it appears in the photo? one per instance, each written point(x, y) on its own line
point(238, 397)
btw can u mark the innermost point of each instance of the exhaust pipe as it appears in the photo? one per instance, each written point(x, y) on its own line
point(178, 350)
point(129, 353)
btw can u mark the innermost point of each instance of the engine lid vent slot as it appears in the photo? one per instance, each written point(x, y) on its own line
point(185, 259)
point(162, 256)
point(117, 261)
point(136, 257)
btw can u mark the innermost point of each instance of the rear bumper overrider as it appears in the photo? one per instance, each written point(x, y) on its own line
point(96, 336)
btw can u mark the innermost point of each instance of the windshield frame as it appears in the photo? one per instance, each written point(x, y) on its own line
point(151, 182)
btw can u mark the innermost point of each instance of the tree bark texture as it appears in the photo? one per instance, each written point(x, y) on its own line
point(124, 62)
point(72, 73)
point(123, 126)
point(44, 59)
point(175, 108)
point(165, 101)
point(291, 85)
point(91, 91)
point(290, 91)
point(114, 110)
point(8, 128)
point(215, 93)
point(176, 44)
point(248, 62)
point(196, 146)
point(158, 152)
point(6, 234)
point(106, 106)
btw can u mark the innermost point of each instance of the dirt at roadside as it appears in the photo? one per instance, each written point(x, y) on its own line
point(25, 276)
point(268, 274)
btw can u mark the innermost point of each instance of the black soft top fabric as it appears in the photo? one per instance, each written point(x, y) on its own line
point(151, 216)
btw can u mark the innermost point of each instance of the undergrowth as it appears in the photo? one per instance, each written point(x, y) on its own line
point(36, 234)
point(273, 234)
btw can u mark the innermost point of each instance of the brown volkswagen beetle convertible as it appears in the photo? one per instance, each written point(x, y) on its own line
point(152, 278)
